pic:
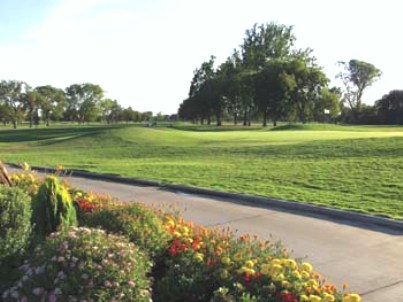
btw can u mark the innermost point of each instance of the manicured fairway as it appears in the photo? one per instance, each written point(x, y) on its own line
point(358, 167)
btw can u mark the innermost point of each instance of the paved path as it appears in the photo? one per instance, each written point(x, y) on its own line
point(368, 258)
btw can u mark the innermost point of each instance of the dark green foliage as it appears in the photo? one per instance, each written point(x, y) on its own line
point(138, 223)
point(15, 230)
point(15, 226)
point(52, 207)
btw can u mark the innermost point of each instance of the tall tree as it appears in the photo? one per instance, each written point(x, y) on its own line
point(201, 89)
point(83, 101)
point(308, 80)
point(32, 101)
point(11, 95)
point(272, 90)
point(356, 77)
point(51, 102)
point(262, 43)
point(231, 74)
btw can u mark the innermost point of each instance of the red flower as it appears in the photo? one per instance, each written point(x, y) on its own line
point(287, 297)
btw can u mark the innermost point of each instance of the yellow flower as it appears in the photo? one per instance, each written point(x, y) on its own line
point(296, 274)
point(226, 260)
point(285, 284)
point(313, 283)
point(276, 261)
point(306, 267)
point(25, 166)
point(314, 298)
point(238, 256)
point(328, 298)
point(279, 277)
point(177, 234)
point(351, 298)
point(245, 269)
point(276, 268)
point(199, 257)
point(224, 274)
point(303, 298)
point(291, 264)
point(305, 275)
point(249, 264)
point(265, 269)
point(184, 230)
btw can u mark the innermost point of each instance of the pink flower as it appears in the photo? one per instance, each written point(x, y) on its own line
point(52, 297)
point(107, 283)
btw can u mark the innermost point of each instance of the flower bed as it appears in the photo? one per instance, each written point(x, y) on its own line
point(191, 262)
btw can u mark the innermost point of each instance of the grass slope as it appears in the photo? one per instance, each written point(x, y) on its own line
point(357, 167)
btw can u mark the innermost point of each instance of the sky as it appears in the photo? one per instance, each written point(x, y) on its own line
point(143, 52)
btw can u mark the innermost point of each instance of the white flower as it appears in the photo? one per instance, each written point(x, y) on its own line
point(15, 295)
point(37, 291)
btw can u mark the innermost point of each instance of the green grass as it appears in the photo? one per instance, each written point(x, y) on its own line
point(350, 167)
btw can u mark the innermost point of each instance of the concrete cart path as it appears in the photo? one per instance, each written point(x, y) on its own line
point(368, 258)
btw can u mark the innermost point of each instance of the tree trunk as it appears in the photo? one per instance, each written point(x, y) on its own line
point(209, 120)
point(218, 116)
point(274, 123)
point(245, 117)
point(264, 118)
point(14, 124)
point(235, 118)
point(47, 121)
point(31, 119)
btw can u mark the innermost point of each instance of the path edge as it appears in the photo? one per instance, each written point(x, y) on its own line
point(295, 206)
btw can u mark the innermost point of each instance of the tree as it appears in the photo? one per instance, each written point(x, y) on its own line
point(198, 91)
point(390, 108)
point(356, 77)
point(31, 101)
point(231, 76)
point(11, 95)
point(51, 102)
point(83, 102)
point(261, 44)
point(272, 89)
point(111, 110)
point(327, 105)
point(265, 42)
point(307, 80)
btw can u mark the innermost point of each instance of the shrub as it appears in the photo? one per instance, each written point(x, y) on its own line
point(15, 221)
point(140, 224)
point(52, 207)
point(82, 264)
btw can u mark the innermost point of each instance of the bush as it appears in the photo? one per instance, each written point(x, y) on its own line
point(140, 224)
point(52, 207)
point(15, 221)
point(82, 264)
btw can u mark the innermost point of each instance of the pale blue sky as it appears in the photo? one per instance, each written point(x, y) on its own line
point(143, 53)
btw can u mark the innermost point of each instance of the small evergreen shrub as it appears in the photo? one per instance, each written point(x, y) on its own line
point(52, 207)
point(15, 221)
point(82, 264)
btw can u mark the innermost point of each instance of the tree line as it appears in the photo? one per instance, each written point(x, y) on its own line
point(268, 78)
point(81, 103)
